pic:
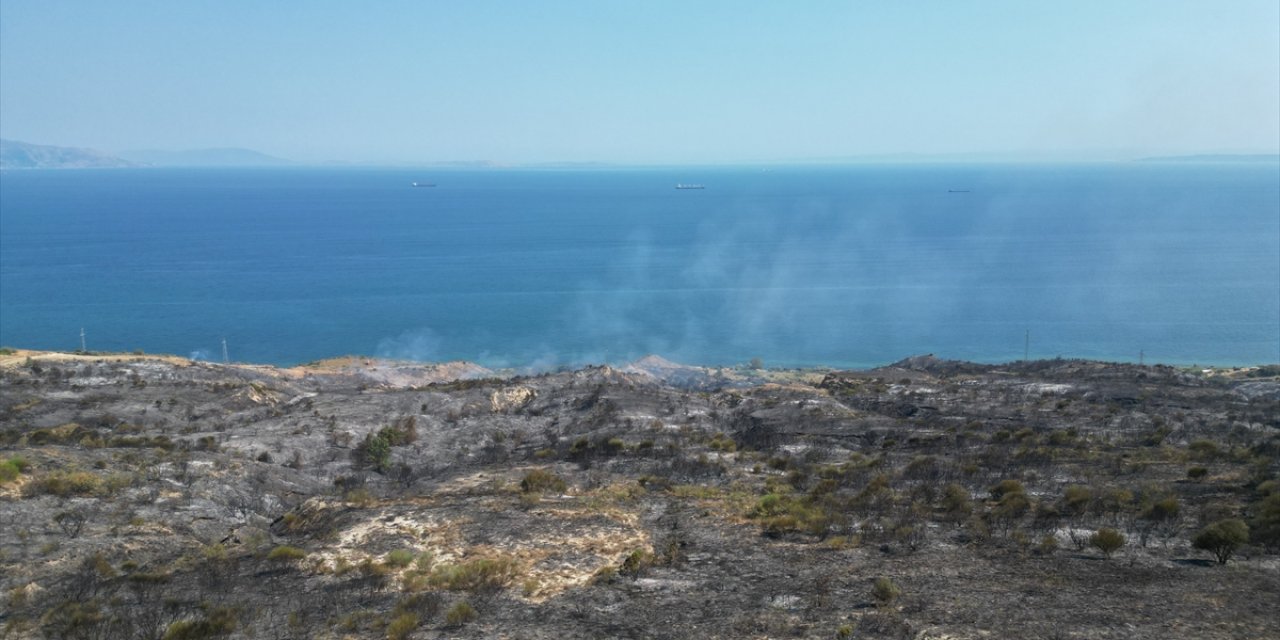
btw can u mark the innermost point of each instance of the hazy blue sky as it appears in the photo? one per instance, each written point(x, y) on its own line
point(665, 82)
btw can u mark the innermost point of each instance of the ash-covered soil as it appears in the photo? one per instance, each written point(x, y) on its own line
point(150, 497)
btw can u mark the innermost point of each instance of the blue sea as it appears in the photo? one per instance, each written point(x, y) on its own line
point(841, 266)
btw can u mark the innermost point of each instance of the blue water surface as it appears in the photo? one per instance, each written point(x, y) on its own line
point(840, 266)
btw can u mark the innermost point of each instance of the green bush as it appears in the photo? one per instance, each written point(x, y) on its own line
point(286, 553)
point(1222, 538)
point(460, 614)
point(884, 591)
point(1204, 449)
point(1048, 544)
point(375, 451)
point(542, 481)
point(1006, 487)
point(8, 472)
point(635, 563)
point(216, 622)
point(956, 502)
point(480, 575)
point(1076, 499)
point(1107, 541)
point(399, 558)
point(401, 626)
point(1266, 523)
point(66, 484)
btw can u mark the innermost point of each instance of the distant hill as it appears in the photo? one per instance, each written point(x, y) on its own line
point(1222, 157)
point(22, 155)
point(223, 157)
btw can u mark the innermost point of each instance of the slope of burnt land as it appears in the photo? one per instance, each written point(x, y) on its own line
point(161, 498)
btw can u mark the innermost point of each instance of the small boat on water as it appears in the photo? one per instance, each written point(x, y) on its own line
point(689, 186)
point(422, 184)
point(957, 191)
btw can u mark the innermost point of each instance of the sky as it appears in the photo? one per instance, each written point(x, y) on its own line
point(645, 82)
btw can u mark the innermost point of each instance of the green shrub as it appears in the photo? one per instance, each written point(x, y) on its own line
point(771, 504)
point(480, 575)
point(73, 619)
point(1197, 473)
point(1076, 499)
point(722, 442)
point(374, 451)
point(65, 484)
point(401, 626)
point(1204, 449)
point(1106, 540)
point(216, 622)
point(542, 481)
point(1006, 487)
point(1222, 538)
point(460, 614)
point(579, 447)
point(8, 472)
point(286, 553)
point(1162, 510)
point(1048, 544)
point(635, 563)
point(612, 446)
point(399, 558)
point(956, 502)
point(884, 591)
point(604, 575)
point(1266, 523)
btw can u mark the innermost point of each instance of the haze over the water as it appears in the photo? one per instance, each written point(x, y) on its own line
point(656, 82)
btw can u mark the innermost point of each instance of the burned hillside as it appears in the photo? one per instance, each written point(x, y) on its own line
point(161, 498)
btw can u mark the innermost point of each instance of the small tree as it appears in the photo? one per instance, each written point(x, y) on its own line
point(1107, 541)
point(1222, 538)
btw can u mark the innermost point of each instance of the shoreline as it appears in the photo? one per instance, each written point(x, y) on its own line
point(466, 369)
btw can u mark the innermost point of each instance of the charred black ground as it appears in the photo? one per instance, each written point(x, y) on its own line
point(160, 498)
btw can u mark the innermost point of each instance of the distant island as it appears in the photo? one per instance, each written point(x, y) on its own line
point(219, 157)
point(22, 155)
